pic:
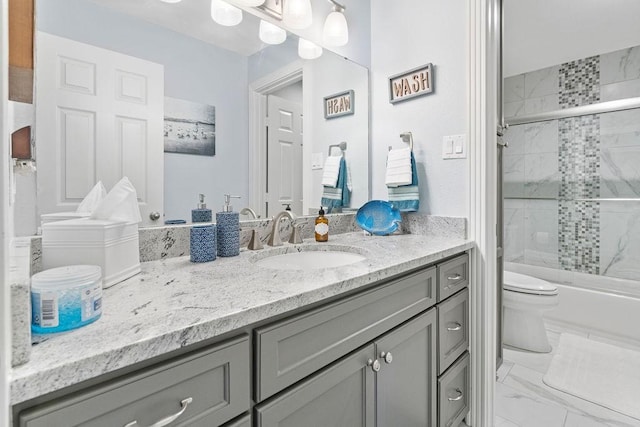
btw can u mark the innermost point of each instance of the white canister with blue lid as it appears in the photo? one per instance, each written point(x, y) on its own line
point(65, 298)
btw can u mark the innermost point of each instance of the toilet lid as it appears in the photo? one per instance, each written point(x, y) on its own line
point(528, 285)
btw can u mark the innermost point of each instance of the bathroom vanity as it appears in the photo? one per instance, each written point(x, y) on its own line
point(379, 342)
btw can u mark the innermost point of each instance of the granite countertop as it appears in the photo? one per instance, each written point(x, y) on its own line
point(173, 303)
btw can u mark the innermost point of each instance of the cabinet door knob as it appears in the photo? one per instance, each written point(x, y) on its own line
point(375, 365)
point(154, 216)
point(167, 420)
point(459, 396)
point(454, 326)
point(387, 356)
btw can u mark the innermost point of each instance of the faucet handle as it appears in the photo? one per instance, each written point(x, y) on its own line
point(295, 235)
point(255, 243)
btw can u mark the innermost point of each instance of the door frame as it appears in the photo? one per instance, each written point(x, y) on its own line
point(6, 220)
point(483, 25)
point(258, 91)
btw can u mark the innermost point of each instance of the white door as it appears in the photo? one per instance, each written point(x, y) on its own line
point(284, 156)
point(99, 117)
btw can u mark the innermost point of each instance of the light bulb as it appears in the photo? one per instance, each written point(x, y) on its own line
point(308, 50)
point(297, 14)
point(336, 31)
point(225, 14)
point(271, 34)
point(249, 3)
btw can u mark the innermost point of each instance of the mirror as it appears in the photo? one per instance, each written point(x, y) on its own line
point(237, 84)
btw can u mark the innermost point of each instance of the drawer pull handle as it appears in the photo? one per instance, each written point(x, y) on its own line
point(454, 327)
point(458, 397)
point(375, 365)
point(165, 421)
point(456, 277)
point(387, 356)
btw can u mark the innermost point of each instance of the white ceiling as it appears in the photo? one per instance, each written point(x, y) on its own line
point(193, 18)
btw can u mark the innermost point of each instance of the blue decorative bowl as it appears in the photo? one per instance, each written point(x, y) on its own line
point(378, 217)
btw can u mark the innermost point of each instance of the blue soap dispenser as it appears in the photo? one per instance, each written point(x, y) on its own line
point(201, 214)
point(228, 228)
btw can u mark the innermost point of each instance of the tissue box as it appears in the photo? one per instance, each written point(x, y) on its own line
point(112, 245)
point(62, 216)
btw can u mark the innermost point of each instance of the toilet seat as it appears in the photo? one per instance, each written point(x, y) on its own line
point(521, 283)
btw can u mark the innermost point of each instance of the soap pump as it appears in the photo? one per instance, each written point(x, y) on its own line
point(228, 229)
point(201, 214)
point(321, 227)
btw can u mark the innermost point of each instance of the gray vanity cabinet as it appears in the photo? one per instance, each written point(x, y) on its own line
point(406, 382)
point(342, 395)
point(206, 388)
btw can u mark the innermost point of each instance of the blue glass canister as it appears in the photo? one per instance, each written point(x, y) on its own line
point(202, 243)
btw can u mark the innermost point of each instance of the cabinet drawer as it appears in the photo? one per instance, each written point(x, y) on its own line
point(216, 379)
point(290, 350)
point(453, 393)
point(340, 395)
point(453, 329)
point(453, 275)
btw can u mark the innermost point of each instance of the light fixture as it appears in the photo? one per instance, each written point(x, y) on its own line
point(225, 14)
point(297, 14)
point(336, 31)
point(271, 34)
point(171, 1)
point(249, 3)
point(308, 50)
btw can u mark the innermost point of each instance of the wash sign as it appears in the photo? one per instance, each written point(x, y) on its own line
point(411, 84)
point(340, 104)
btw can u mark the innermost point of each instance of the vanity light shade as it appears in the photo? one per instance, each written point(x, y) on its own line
point(297, 14)
point(225, 14)
point(271, 34)
point(250, 3)
point(171, 1)
point(336, 31)
point(308, 50)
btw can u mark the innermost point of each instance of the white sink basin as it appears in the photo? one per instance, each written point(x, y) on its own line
point(309, 259)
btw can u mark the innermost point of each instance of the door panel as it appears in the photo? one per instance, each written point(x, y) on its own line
point(284, 155)
point(406, 387)
point(99, 118)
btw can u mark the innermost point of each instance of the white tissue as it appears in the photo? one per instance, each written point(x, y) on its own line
point(121, 204)
point(92, 199)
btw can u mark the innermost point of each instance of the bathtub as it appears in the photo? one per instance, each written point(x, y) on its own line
point(596, 305)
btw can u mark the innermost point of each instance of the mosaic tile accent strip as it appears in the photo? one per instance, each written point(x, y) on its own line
point(579, 221)
point(579, 157)
point(579, 82)
point(579, 236)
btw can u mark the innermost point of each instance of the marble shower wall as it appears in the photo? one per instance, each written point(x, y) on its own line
point(549, 166)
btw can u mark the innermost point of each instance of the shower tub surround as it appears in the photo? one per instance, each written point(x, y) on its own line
point(551, 167)
point(173, 303)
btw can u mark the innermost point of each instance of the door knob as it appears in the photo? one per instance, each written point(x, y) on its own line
point(154, 216)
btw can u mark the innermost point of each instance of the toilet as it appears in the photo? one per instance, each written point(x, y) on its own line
point(525, 299)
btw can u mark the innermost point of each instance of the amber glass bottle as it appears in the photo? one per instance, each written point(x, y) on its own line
point(322, 227)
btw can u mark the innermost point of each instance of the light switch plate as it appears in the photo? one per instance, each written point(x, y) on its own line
point(454, 147)
point(316, 161)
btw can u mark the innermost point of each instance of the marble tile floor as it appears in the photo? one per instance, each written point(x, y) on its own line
point(523, 400)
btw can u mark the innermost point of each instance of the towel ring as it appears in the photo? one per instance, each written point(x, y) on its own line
point(342, 146)
point(407, 137)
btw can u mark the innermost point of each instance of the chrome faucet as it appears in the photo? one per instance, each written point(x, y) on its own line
point(249, 212)
point(274, 238)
